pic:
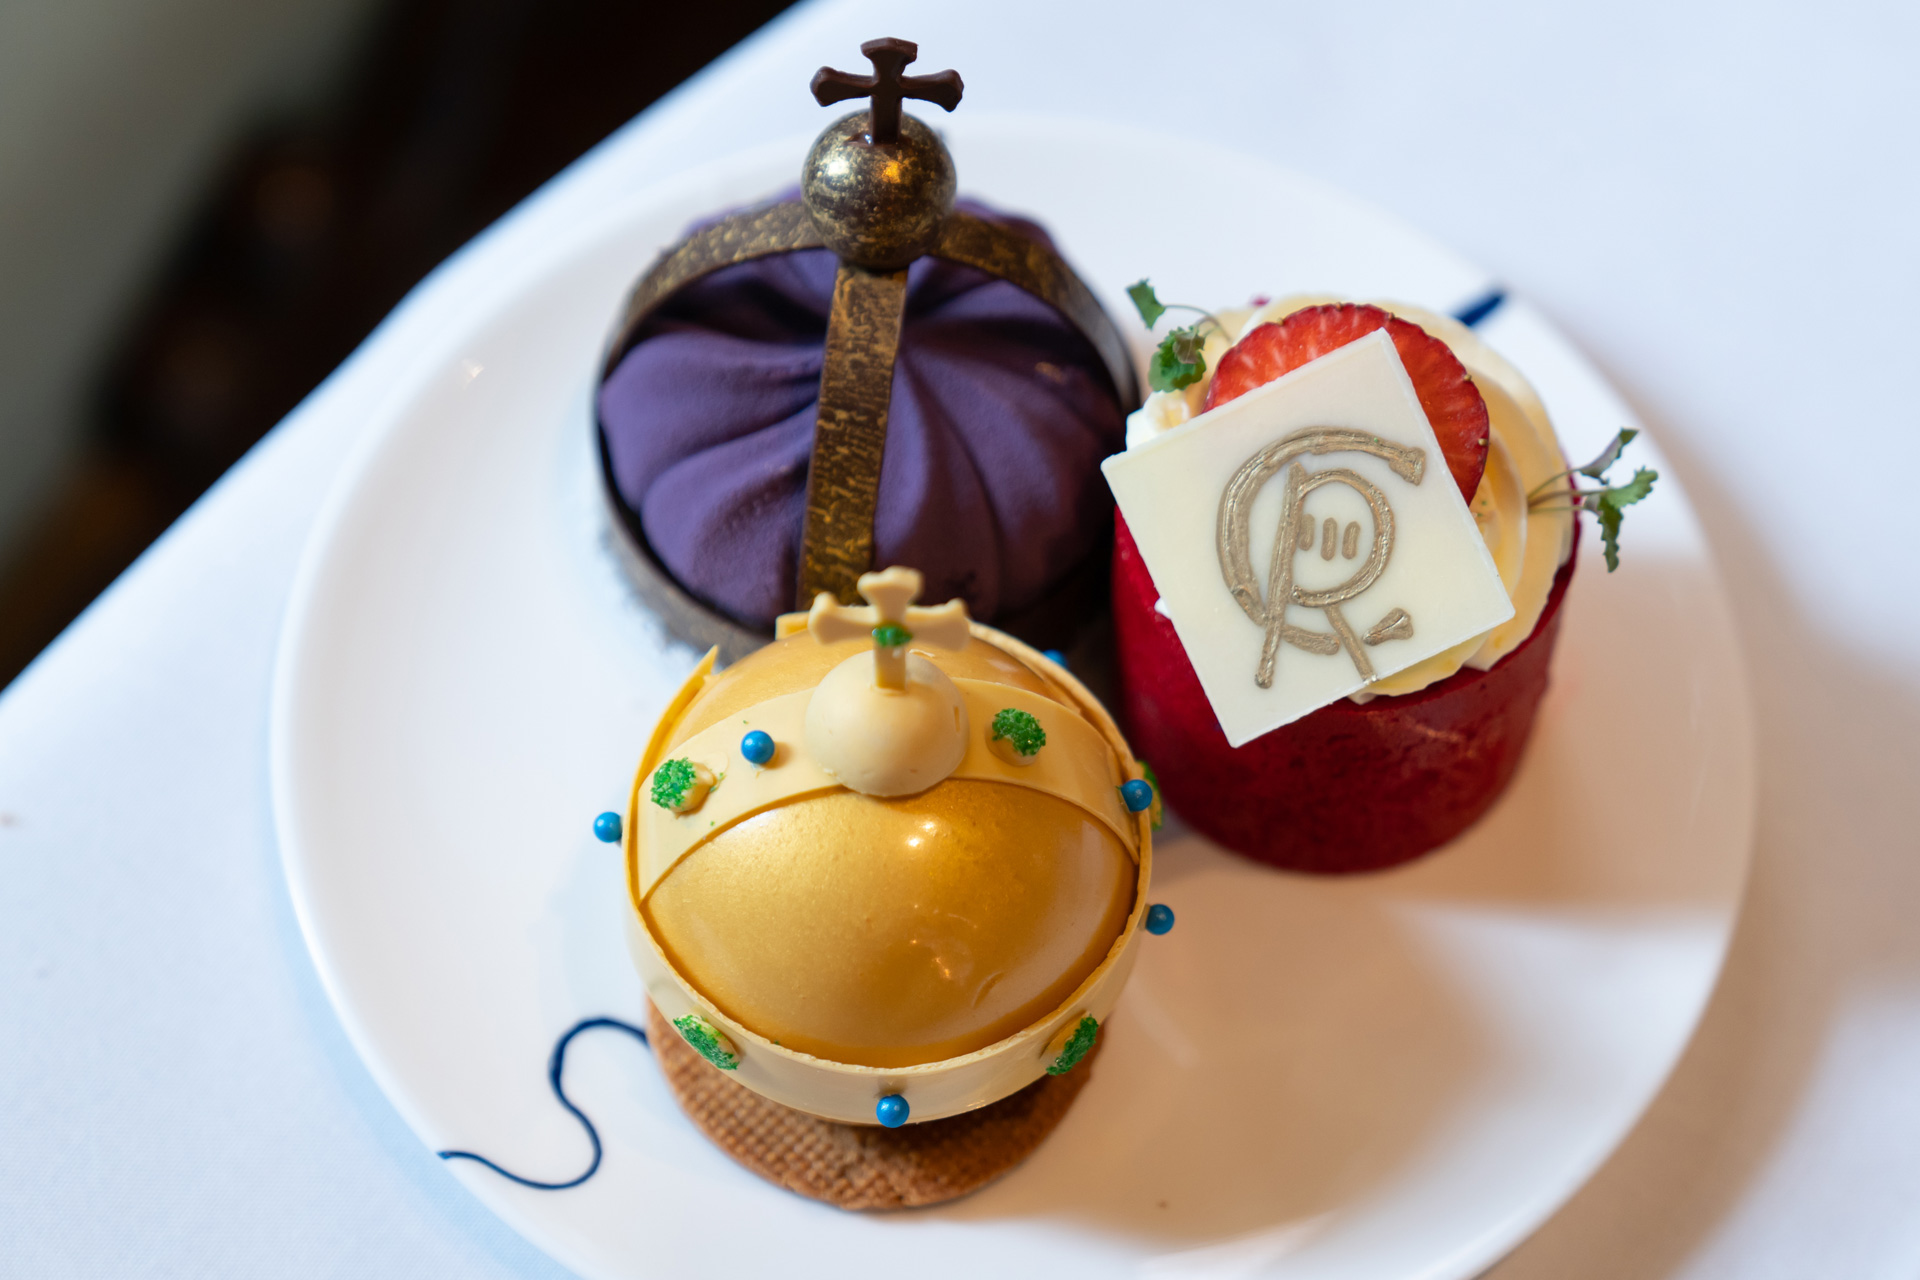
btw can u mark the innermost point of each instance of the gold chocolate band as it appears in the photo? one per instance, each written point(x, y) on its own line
point(850, 431)
point(736, 238)
point(989, 247)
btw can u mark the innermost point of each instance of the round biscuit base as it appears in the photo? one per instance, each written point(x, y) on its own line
point(854, 1166)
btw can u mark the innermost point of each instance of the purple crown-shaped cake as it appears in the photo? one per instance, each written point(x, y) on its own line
point(868, 374)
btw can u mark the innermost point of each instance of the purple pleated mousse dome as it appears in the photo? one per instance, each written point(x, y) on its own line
point(990, 484)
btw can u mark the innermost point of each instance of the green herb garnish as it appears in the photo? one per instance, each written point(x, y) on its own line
point(1607, 505)
point(1021, 730)
point(1145, 303)
point(1597, 469)
point(1179, 361)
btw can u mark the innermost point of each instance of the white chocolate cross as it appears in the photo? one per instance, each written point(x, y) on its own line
point(890, 597)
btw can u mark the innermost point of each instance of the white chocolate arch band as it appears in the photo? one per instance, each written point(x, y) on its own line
point(1076, 765)
point(845, 1092)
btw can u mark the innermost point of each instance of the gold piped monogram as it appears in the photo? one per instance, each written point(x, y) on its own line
point(1296, 534)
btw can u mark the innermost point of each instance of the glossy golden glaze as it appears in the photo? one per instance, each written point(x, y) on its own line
point(889, 933)
point(800, 662)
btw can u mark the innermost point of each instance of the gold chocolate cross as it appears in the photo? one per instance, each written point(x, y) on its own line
point(891, 620)
point(886, 86)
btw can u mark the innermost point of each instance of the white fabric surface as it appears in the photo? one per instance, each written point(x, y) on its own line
point(1716, 201)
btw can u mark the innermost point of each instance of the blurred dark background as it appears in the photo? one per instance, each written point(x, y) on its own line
point(443, 114)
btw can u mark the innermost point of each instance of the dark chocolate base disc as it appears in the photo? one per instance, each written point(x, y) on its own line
point(862, 1166)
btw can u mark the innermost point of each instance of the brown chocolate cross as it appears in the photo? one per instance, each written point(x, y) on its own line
point(886, 86)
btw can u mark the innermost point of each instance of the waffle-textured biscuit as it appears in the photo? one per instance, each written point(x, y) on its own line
point(862, 1166)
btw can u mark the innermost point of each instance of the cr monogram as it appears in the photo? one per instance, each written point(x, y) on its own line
point(1295, 535)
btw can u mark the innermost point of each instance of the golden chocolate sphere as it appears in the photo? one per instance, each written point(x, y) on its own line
point(890, 932)
point(878, 205)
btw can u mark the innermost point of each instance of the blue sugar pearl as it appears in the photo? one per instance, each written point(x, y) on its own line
point(891, 1111)
point(607, 827)
point(1054, 655)
point(1159, 919)
point(757, 747)
point(1138, 794)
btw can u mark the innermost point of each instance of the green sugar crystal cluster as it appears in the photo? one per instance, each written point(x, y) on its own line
point(707, 1040)
point(1020, 729)
point(1077, 1047)
point(671, 783)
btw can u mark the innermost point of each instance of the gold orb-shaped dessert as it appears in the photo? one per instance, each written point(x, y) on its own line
point(890, 931)
point(890, 855)
point(879, 205)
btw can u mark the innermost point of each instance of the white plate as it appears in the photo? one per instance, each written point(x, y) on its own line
point(1393, 1076)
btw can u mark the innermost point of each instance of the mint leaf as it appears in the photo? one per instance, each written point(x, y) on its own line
point(1177, 362)
point(1597, 469)
point(1609, 505)
point(1145, 303)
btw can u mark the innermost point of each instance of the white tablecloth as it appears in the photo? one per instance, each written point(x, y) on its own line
point(1718, 203)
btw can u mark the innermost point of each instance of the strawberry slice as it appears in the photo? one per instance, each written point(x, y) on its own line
point(1452, 403)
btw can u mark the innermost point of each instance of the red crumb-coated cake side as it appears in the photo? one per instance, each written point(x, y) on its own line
point(1350, 787)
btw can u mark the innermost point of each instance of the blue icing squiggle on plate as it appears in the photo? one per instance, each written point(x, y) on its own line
point(554, 1068)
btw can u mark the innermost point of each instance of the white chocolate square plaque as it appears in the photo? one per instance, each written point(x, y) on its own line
point(1307, 538)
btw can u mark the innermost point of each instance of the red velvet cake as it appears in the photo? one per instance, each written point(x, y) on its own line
point(1418, 742)
point(1351, 787)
